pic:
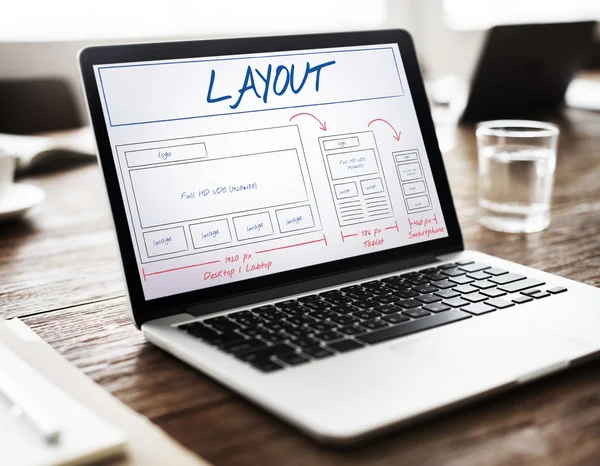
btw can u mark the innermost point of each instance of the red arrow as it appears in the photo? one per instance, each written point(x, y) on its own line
point(323, 125)
point(396, 133)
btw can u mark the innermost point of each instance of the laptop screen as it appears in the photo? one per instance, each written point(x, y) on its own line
point(236, 167)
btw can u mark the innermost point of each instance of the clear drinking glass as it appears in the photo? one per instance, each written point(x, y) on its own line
point(516, 173)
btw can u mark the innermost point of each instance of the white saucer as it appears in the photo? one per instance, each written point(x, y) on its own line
point(18, 199)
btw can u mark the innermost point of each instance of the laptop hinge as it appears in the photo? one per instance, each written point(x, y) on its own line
point(306, 286)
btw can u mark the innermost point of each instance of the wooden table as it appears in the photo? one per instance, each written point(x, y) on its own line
point(60, 272)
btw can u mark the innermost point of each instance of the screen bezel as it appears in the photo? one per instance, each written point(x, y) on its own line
point(144, 310)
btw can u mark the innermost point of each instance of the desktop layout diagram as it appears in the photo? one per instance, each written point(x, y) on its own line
point(237, 167)
point(202, 193)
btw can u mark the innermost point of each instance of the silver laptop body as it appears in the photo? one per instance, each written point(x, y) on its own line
point(286, 227)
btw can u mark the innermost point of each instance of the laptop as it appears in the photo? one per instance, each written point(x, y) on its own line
point(524, 69)
point(286, 227)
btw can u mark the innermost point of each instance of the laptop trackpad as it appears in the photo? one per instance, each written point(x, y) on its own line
point(492, 349)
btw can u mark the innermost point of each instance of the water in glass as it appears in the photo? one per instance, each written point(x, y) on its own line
point(515, 183)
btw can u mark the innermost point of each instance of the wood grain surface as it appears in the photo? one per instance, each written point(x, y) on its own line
point(60, 272)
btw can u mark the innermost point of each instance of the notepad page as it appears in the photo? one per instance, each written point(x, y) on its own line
point(84, 436)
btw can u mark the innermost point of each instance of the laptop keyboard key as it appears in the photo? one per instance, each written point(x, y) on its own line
point(418, 280)
point(322, 315)
point(493, 292)
point(398, 286)
point(293, 359)
point(388, 309)
point(322, 326)
point(317, 352)
point(428, 298)
point(303, 343)
point(499, 303)
point(241, 315)
point(450, 265)
point(250, 322)
point(475, 297)
point(454, 272)
point(416, 313)
point(483, 284)
point(385, 299)
point(332, 294)
point(461, 280)
point(474, 267)
point(351, 288)
point(456, 302)
point(374, 324)
point(447, 294)
point(345, 345)
point(310, 297)
point(406, 294)
point(425, 289)
point(250, 331)
point(224, 339)
point(274, 326)
point(478, 308)
point(436, 307)
point(464, 262)
point(408, 303)
point(365, 303)
point(408, 328)
point(557, 289)
point(520, 285)
point(522, 299)
point(344, 320)
point(202, 332)
point(396, 318)
point(288, 304)
point(359, 294)
point(506, 278)
point(437, 276)
point(352, 330)
point(543, 294)
point(300, 332)
point(443, 284)
point(366, 315)
point(273, 337)
point(345, 309)
point(495, 271)
point(224, 326)
point(317, 305)
point(266, 365)
point(265, 353)
point(266, 308)
point(338, 300)
point(481, 275)
point(300, 320)
point(464, 289)
point(244, 346)
point(328, 335)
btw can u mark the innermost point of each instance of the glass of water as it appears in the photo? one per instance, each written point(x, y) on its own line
point(516, 173)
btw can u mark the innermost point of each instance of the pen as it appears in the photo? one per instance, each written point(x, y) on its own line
point(27, 413)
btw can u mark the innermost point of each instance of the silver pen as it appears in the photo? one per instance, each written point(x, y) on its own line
point(27, 413)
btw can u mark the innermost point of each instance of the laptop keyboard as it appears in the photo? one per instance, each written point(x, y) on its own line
point(317, 326)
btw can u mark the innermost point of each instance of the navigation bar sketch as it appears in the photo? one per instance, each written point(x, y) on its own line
point(356, 178)
point(204, 193)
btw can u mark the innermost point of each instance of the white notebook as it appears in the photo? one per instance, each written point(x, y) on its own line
point(147, 444)
point(83, 438)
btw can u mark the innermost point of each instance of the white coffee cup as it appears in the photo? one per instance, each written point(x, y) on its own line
point(7, 172)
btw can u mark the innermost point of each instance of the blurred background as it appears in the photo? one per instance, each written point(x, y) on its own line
point(40, 39)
